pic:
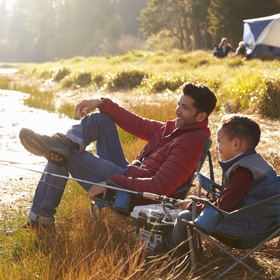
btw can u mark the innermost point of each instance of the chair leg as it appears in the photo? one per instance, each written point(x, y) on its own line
point(92, 203)
point(191, 247)
point(237, 260)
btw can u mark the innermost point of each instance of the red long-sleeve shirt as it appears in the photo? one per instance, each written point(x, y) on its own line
point(240, 182)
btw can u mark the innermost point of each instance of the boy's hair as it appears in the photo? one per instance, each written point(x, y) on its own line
point(243, 128)
point(204, 99)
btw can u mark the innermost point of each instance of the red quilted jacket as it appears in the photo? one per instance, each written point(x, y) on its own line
point(173, 153)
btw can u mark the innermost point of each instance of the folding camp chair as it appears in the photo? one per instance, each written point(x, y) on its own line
point(220, 240)
point(153, 232)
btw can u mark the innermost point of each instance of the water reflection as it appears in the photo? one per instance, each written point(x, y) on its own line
point(8, 70)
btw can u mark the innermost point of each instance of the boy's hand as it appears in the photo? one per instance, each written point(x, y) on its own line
point(183, 204)
point(86, 106)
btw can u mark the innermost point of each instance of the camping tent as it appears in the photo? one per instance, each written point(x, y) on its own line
point(262, 35)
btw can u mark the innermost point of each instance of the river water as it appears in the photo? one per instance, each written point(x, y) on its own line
point(14, 116)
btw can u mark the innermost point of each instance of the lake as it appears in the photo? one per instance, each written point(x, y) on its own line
point(14, 116)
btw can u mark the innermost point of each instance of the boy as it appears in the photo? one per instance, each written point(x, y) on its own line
point(247, 179)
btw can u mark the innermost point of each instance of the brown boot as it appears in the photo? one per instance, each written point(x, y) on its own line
point(31, 225)
point(55, 148)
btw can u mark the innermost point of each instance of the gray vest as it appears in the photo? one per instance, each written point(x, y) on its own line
point(265, 185)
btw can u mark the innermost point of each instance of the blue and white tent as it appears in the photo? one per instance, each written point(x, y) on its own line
point(262, 35)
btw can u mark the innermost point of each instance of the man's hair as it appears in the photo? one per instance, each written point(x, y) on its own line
point(204, 99)
point(243, 128)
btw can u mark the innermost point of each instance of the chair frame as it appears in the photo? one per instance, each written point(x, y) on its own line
point(183, 190)
point(195, 233)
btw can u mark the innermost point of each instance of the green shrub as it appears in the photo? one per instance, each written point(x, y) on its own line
point(4, 82)
point(235, 62)
point(83, 79)
point(242, 92)
point(98, 80)
point(67, 82)
point(270, 101)
point(43, 73)
point(162, 82)
point(41, 100)
point(67, 109)
point(77, 78)
point(199, 62)
point(126, 79)
point(60, 73)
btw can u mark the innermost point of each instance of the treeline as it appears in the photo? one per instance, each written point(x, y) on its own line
point(47, 30)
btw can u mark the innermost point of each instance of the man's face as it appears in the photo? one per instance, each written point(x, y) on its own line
point(185, 112)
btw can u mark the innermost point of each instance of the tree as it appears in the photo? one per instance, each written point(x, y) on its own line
point(20, 37)
point(42, 30)
point(181, 19)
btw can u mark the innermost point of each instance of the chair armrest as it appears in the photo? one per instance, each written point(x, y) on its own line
point(209, 218)
point(245, 211)
point(239, 213)
point(204, 201)
point(210, 186)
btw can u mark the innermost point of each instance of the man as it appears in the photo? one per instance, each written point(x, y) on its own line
point(166, 162)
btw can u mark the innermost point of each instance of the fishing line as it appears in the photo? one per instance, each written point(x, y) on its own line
point(110, 185)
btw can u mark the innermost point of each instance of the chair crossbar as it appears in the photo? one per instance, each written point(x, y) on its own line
point(237, 260)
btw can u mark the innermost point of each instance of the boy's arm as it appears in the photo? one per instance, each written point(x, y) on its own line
point(240, 183)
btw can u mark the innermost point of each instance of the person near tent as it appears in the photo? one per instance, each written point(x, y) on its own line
point(223, 48)
point(241, 49)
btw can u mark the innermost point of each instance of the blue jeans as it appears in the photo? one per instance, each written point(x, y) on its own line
point(176, 237)
point(108, 161)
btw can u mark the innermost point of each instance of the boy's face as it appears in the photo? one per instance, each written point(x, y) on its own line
point(186, 113)
point(225, 147)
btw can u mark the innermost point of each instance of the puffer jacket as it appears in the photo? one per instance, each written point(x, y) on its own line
point(171, 153)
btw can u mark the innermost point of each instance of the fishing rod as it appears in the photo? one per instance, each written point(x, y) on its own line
point(110, 185)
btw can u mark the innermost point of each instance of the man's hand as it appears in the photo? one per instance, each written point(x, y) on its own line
point(86, 106)
point(183, 204)
point(96, 190)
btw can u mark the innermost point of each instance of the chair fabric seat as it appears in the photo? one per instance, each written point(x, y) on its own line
point(244, 243)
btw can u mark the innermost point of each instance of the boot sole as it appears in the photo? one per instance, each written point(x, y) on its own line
point(33, 143)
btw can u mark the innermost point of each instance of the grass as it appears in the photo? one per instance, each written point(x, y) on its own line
point(250, 86)
point(86, 248)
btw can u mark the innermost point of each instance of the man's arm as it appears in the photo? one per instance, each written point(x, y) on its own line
point(128, 121)
point(172, 171)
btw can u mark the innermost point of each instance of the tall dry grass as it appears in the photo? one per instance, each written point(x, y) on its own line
point(105, 248)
